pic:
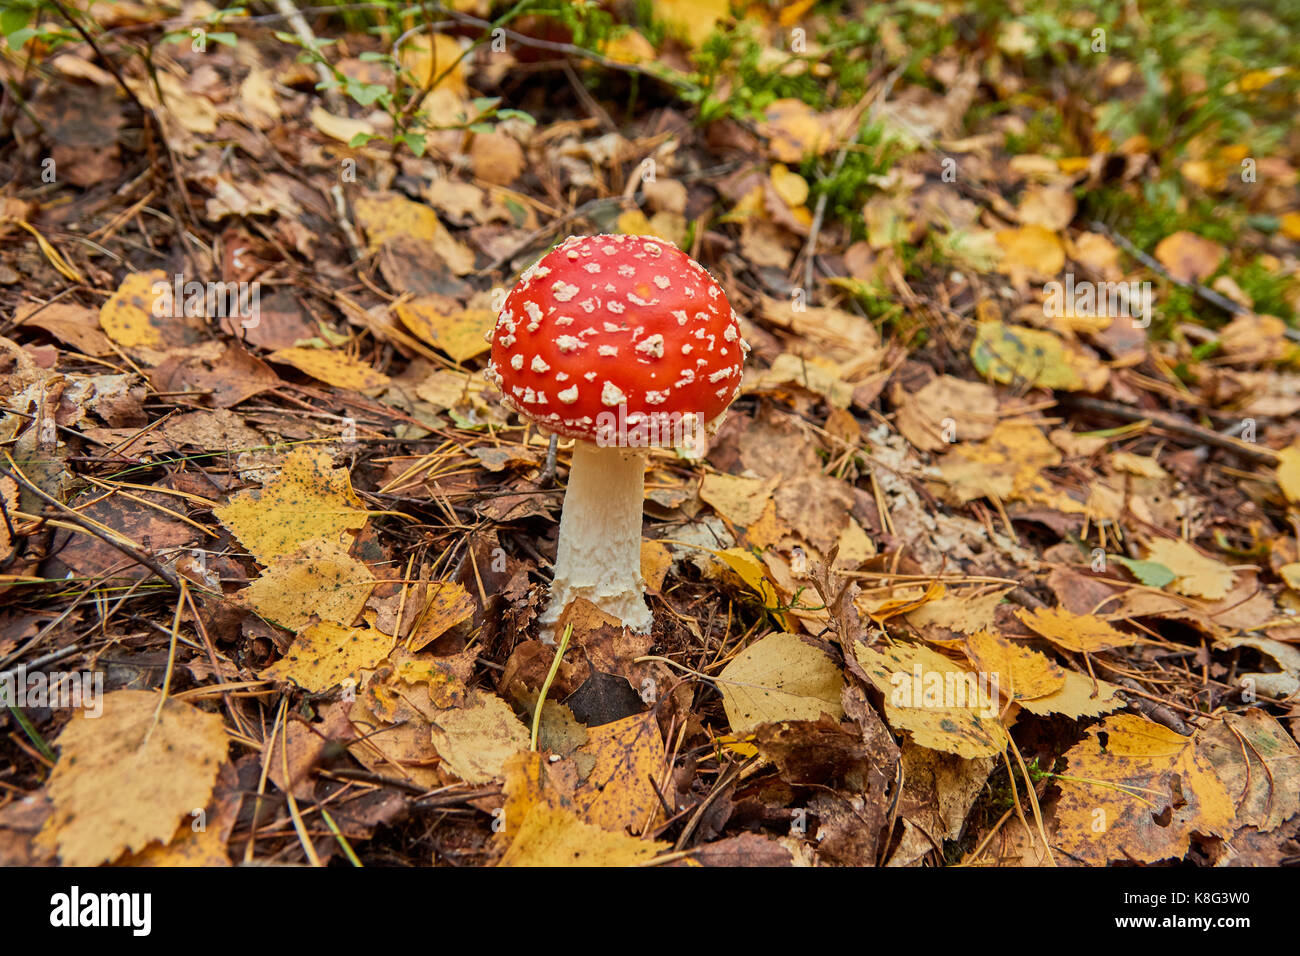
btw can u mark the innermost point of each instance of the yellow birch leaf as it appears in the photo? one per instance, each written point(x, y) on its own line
point(1288, 472)
point(1021, 673)
point(333, 368)
point(1196, 575)
point(449, 604)
point(1033, 357)
point(124, 780)
point(1136, 791)
point(476, 739)
point(460, 333)
point(1031, 251)
point(320, 579)
point(549, 836)
point(780, 677)
point(309, 499)
point(940, 703)
point(127, 317)
point(325, 655)
point(1081, 633)
point(618, 794)
point(1080, 696)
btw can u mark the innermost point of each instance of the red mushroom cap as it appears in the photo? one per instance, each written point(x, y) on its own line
point(604, 326)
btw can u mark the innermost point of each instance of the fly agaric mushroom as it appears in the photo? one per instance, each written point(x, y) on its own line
point(623, 343)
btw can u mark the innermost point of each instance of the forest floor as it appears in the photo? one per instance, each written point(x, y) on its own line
point(994, 561)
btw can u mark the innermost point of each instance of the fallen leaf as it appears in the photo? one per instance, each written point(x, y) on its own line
point(1081, 696)
point(1189, 257)
point(618, 793)
point(320, 580)
point(941, 704)
point(1081, 633)
point(549, 836)
point(332, 367)
point(325, 655)
point(460, 333)
point(1134, 790)
point(309, 499)
point(740, 500)
point(342, 128)
point(477, 738)
point(1021, 673)
point(126, 780)
point(780, 677)
point(1030, 252)
point(1195, 574)
point(1259, 764)
point(1012, 354)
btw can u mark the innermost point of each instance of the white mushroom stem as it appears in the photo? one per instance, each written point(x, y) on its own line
point(599, 556)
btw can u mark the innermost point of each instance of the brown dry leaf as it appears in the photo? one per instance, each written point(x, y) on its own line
point(443, 678)
point(1021, 673)
point(309, 499)
point(1081, 696)
point(395, 715)
point(477, 738)
point(1196, 575)
point(320, 580)
point(1081, 633)
point(1189, 257)
point(193, 112)
point(333, 368)
point(124, 781)
point(497, 158)
point(218, 430)
point(1095, 252)
point(740, 500)
point(1259, 764)
point(765, 244)
point(1134, 790)
point(325, 655)
point(257, 96)
point(549, 836)
point(73, 325)
point(459, 333)
point(1030, 253)
point(619, 793)
point(940, 703)
point(1051, 207)
point(780, 677)
point(449, 604)
point(814, 374)
point(946, 410)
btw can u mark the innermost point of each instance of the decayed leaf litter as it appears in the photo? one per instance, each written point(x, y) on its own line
point(389, 587)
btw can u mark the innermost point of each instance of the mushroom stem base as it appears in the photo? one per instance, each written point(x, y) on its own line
point(599, 555)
